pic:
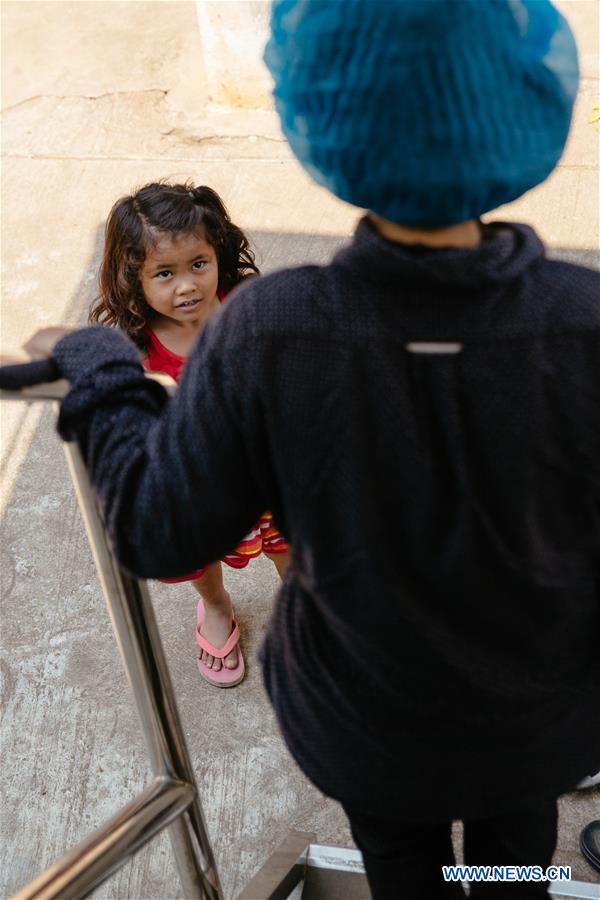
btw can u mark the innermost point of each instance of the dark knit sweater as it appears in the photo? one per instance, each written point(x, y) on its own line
point(435, 649)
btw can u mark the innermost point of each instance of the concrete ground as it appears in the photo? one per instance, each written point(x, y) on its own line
point(98, 97)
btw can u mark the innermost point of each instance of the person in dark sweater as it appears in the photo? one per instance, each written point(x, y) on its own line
point(422, 416)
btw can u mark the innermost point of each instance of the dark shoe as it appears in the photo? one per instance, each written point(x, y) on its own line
point(590, 781)
point(590, 843)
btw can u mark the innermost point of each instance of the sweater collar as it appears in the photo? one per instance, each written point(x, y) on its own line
point(504, 253)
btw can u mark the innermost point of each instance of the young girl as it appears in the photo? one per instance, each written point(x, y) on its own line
point(171, 255)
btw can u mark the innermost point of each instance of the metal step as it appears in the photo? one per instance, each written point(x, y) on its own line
point(301, 870)
point(333, 873)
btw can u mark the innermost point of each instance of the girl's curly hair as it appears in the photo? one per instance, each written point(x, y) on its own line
point(133, 226)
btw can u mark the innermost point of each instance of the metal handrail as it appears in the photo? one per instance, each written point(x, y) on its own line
point(86, 866)
point(172, 799)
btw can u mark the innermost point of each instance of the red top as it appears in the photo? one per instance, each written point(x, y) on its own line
point(160, 359)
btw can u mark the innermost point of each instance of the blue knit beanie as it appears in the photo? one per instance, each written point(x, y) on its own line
point(428, 112)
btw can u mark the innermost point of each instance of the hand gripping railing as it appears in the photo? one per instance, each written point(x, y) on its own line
point(172, 798)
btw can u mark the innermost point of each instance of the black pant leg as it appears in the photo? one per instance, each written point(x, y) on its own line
point(404, 861)
point(523, 838)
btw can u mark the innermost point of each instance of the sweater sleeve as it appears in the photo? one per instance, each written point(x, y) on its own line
point(172, 475)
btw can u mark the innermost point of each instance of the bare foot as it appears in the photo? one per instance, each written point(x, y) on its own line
point(216, 628)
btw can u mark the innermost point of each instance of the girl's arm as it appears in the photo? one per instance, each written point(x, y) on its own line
point(173, 476)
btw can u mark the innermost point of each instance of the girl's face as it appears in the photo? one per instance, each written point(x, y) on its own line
point(179, 278)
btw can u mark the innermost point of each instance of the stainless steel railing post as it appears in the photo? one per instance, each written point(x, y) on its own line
point(172, 799)
point(138, 639)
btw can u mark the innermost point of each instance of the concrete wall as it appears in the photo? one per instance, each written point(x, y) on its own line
point(233, 35)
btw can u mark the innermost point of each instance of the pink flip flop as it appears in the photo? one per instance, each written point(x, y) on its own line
point(224, 677)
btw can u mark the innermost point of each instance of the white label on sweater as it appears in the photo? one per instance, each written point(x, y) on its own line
point(429, 347)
